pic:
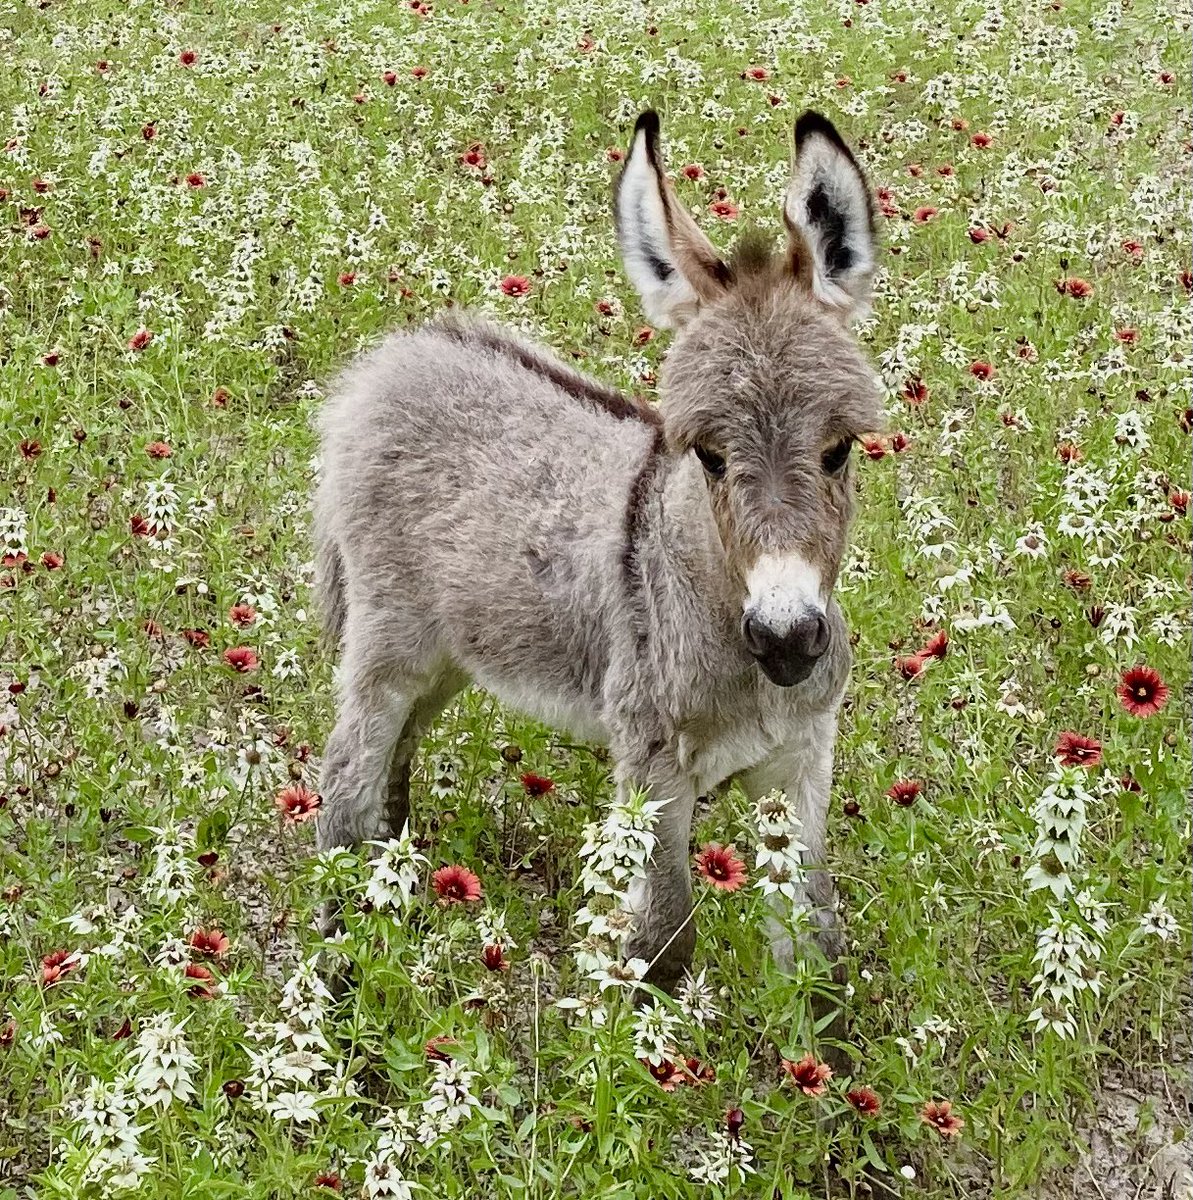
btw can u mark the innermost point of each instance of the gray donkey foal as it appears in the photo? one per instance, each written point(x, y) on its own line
point(656, 579)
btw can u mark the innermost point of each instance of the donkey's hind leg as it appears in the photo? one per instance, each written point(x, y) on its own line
point(423, 713)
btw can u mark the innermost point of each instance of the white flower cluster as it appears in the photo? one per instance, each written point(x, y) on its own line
point(13, 532)
point(780, 851)
point(1065, 954)
point(1158, 921)
point(654, 1030)
point(1059, 814)
point(161, 507)
point(165, 1067)
point(395, 873)
point(105, 1126)
point(714, 1162)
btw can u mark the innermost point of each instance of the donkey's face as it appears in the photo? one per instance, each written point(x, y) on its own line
point(765, 386)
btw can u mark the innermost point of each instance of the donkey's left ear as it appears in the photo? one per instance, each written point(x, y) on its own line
point(830, 217)
point(668, 259)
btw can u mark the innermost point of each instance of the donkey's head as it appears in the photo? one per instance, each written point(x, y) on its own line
point(765, 385)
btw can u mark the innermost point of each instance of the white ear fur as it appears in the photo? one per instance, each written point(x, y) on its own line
point(670, 262)
point(828, 205)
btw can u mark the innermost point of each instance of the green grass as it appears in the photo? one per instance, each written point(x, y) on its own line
point(138, 771)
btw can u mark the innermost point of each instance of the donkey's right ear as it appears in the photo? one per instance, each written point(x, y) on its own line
point(672, 264)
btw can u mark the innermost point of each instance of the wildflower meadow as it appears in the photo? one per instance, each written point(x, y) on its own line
point(206, 210)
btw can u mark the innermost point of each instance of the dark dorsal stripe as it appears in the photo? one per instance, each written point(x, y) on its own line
point(623, 408)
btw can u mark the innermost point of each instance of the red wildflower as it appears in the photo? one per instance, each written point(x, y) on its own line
point(140, 339)
point(297, 803)
point(603, 308)
point(40, 231)
point(212, 943)
point(865, 1100)
point(149, 132)
point(693, 171)
point(960, 124)
point(1179, 501)
point(138, 526)
point(493, 956)
point(1074, 750)
point(1079, 581)
point(242, 615)
point(924, 214)
point(757, 74)
point(643, 335)
point(725, 209)
point(158, 450)
point(241, 659)
point(329, 1179)
point(899, 442)
point(346, 278)
point(203, 987)
point(1129, 335)
point(515, 285)
point(433, 1049)
point(614, 154)
point(915, 170)
point(52, 560)
point(8, 1034)
point(721, 867)
point(808, 1075)
point(219, 398)
point(188, 58)
point(937, 645)
point(456, 885)
point(1079, 289)
point(915, 391)
point(874, 448)
point(29, 448)
point(199, 638)
point(537, 785)
point(195, 180)
point(1068, 452)
point(52, 359)
point(418, 72)
point(734, 1120)
point(981, 370)
point(904, 792)
point(474, 156)
point(941, 1118)
point(389, 77)
point(909, 666)
point(699, 1073)
point(977, 234)
point(981, 140)
point(1133, 249)
point(1142, 692)
point(57, 965)
point(946, 170)
point(667, 1074)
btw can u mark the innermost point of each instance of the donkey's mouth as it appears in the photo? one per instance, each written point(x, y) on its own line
point(787, 672)
point(786, 658)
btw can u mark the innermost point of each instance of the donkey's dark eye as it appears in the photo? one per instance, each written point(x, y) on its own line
point(835, 457)
point(712, 462)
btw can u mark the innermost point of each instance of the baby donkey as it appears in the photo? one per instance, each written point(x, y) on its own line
point(655, 578)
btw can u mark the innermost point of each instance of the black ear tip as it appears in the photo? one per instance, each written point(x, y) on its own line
point(812, 123)
point(648, 123)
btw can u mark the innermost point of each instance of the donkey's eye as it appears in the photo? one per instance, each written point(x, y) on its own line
point(711, 461)
point(835, 457)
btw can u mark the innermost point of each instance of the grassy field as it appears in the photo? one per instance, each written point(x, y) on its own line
point(206, 208)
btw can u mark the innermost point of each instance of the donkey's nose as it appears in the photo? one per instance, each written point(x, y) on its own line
point(786, 657)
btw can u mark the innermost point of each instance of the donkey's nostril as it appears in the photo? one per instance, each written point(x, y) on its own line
point(816, 637)
point(755, 635)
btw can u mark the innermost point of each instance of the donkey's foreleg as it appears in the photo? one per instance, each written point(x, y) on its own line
point(664, 924)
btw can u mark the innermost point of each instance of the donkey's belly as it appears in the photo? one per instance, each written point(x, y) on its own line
point(559, 710)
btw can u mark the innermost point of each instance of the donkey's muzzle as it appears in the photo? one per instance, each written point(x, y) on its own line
point(786, 657)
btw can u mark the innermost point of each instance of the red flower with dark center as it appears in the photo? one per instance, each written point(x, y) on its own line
point(474, 156)
point(242, 614)
point(418, 72)
point(909, 666)
point(456, 885)
point(924, 214)
point(904, 792)
point(52, 359)
point(941, 1118)
point(667, 1074)
point(188, 58)
point(199, 638)
point(945, 171)
point(899, 442)
point(757, 74)
point(981, 370)
point(725, 209)
point(978, 235)
point(699, 1073)
point(29, 448)
point(329, 1179)
point(1079, 581)
point(204, 981)
point(297, 803)
point(51, 560)
point(140, 339)
point(614, 154)
point(981, 140)
point(734, 1120)
point(219, 398)
point(1133, 249)
point(40, 231)
point(1142, 692)
point(1127, 336)
point(241, 659)
point(1067, 452)
point(346, 278)
point(195, 180)
point(537, 785)
point(1079, 289)
point(937, 645)
point(515, 285)
point(1074, 750)
point(865, 1100)
point(158, 450)
point(213, 943)
point(389, 77)
point(721, 867)
point(1179, 501)
point(57, 965)
point(915, 170)
point(693, 171)
point(915, 391)
point(8, 1034)
point(874, 448)
point(643, 335)
point(810, 1076)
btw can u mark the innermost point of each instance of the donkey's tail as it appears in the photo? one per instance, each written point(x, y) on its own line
point(329, 584)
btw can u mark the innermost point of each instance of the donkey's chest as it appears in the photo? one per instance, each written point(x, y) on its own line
point(715, 747)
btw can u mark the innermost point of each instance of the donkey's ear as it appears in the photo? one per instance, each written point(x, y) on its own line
point(830, 217)
point(672, 264)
